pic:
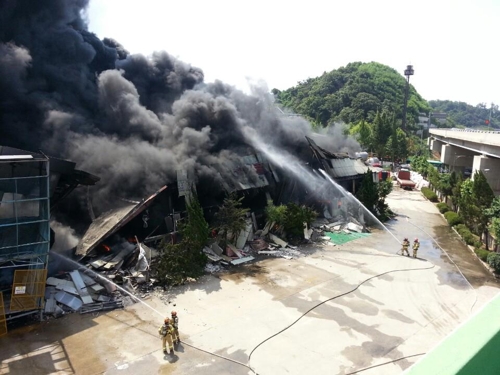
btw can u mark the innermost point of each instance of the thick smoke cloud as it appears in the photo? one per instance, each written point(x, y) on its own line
point(130, 119)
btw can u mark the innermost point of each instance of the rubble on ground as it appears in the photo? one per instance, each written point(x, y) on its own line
point(79, 291)
point(97, 287)
point(126, 265)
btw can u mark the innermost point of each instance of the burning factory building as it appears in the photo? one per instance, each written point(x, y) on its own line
point(148, 130)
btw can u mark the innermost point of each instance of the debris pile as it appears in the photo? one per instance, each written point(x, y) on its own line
point(80, 292)
point(97, 288)
point(335, 231)
point(126, 263)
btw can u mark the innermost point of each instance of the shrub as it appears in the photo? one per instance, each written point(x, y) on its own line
point(460, 227)
point(482, 254)
point(185, 259)
point(477, 243)
point(295, 218)
point(276, 214)
point(429, 194)
point(453, 218)
point(443, 207)
point(494, 261)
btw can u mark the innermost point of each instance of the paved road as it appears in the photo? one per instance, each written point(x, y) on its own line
point(404, 312)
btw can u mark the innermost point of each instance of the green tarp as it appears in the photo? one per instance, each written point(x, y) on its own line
point(340, 238)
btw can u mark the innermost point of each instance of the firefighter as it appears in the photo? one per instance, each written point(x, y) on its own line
point(175, 328)
point(165, 332)
point(416, 245)
point(405, 246)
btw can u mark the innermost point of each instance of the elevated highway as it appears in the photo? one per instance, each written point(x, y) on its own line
point(463, 149)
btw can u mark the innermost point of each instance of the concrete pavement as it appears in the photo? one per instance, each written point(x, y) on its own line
point(402, 313)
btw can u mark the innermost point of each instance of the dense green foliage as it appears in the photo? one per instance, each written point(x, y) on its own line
point(468, 237)
point(275, 214)
point(185, 259)
point(351, 94)
point(482, 254)
point(443, 207)
point(373, 195)
point(290, 218)
point(384, 137)
point(429, 194)
point(230, 220)
point(475, 198)
point(495, 228)
point(421, 165)
point(479, 209)
point(460, 114)
point(453, 218)
point(494, 261)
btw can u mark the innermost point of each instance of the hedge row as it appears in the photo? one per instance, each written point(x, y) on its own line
point(482, 254)
point(443, 207)
point(468, 236)
point(494, 261)
point(429, 194)
point(453, 218)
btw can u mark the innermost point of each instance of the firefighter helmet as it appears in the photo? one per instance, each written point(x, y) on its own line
point(167, 320)
point(174, 313)
point(416, 239)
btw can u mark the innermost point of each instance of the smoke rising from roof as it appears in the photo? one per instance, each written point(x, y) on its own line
point(130, 119)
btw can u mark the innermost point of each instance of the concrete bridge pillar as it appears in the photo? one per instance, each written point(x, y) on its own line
point(435, 145)
point(491, 169)
point(456, 158)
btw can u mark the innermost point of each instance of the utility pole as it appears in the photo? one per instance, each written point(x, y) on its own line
point(408, 72)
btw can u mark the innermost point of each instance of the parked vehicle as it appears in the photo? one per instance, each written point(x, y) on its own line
point(404, 180)
point(374, 162)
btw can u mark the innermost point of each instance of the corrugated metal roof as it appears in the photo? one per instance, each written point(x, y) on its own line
point(347, 167)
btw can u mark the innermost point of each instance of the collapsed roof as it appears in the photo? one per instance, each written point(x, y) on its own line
point(339, 166)
point(110, 222)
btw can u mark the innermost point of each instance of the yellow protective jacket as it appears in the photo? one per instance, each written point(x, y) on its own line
point(165, 329)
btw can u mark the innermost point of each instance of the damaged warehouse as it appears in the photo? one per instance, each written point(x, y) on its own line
point(152, 129)
point(117, 244)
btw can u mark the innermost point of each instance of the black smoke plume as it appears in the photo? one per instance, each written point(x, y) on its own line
point(129, 119)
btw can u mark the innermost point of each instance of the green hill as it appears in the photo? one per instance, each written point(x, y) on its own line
point(461, 114)
point(352, 93)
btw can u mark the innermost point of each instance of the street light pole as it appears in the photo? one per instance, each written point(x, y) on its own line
point(408, 72)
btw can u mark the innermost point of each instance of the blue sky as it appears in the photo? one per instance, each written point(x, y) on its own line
point(451, 44)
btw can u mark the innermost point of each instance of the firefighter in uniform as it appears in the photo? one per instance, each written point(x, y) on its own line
point(165, 332)
point(406, 245)
point(175, 328)
point(416, 245)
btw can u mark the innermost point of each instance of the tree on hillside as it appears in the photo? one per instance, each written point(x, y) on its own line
point(351, 94)
point(363, 133)
point(460, 114)
point(397, 144)
point(382, 128)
